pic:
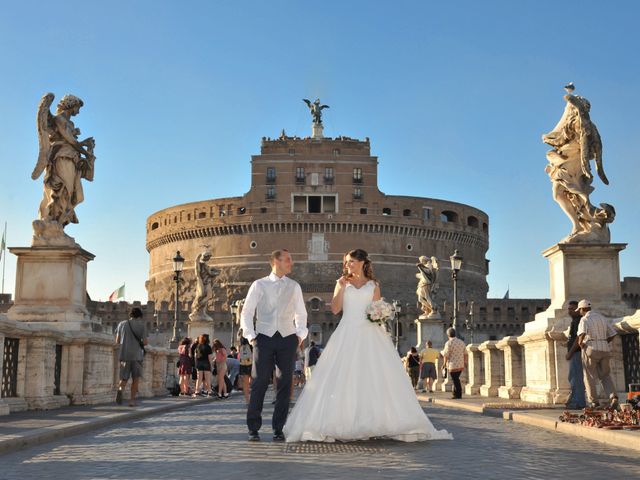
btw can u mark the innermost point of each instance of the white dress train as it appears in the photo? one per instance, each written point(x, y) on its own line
point(359, 388)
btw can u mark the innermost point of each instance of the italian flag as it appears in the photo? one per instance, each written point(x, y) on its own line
point(117, 294)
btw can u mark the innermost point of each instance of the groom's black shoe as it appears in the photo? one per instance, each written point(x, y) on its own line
point(278, 437)
point(254, 436)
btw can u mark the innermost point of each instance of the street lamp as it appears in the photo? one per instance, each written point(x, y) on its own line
point(456, 265)
point(468, 323)
point(178, 264)
point(397, 307)
point(234, 314)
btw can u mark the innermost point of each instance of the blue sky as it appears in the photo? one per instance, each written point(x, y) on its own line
point(178, 95)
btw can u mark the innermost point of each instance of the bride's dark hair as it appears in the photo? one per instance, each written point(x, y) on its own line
point(361, 256)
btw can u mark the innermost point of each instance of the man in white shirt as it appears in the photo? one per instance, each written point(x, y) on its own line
point(594, 334)
point(281, 326)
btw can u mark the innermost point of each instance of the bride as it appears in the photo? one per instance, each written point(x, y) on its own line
point(359, 389)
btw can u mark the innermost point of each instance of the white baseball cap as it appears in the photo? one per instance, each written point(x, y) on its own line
point(584, 303)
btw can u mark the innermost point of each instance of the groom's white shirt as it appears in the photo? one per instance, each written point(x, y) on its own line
point(279, 306)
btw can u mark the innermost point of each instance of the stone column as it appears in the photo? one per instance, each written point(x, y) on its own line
point(513, 367)
point(39, 384)
point(475, 370)
point(493, 369)
point(442, 384)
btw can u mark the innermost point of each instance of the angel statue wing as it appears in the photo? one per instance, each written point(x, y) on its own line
point(323, 106)
point(43, 121)
point(307, 102)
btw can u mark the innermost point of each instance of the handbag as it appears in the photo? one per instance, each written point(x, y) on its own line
point(178, 364)
point(444, 372)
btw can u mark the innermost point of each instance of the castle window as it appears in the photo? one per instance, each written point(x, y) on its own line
point(154, 225)
point(271, 193)
point(253, 245)
point(314, 304)
point(315, 204)
point(357, 175)
point(485, 228)
point(406, 212)
point(292, 151)
point(357, 194)
point(300, 177)
point(386, 211)
point(447, 216)
point(336, 152)
point(472, 221)
point(271, 175)
point(242, 210)
point(363, 211)
point(202, 215)
point(263, 209)
point(188, 217)
point(328, 176)
point(426, 213)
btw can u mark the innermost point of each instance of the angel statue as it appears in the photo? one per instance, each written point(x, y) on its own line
point(316, 110)
point(427, 285)
point(204, 287)
point(576, 141)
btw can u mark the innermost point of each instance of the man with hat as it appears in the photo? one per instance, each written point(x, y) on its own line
point(594, 334)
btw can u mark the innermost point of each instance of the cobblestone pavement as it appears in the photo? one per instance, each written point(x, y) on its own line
point(209, 441)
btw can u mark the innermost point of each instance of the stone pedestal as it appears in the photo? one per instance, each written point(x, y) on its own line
point(475, 370)
point(51, 287)
point(493, 369)
point(430, 328)
point(577, 271)
point(316, 131)
point(198, 327)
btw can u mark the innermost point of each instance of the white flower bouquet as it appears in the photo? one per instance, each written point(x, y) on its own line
point(380, 311)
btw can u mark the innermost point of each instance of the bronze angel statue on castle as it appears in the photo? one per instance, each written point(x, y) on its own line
point(64, 159)
point(316, 110)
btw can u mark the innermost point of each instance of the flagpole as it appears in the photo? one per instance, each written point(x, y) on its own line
point(4, 254)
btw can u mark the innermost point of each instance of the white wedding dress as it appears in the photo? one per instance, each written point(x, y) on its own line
point(359, 388)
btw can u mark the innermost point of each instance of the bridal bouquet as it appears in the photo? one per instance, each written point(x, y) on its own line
point(380, 311)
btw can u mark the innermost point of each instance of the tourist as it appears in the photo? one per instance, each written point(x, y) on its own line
point(413, 366)
point(455, 358)
point(311, 358)
point(203, 355)
point(298, 372)
point(245, 355)
point(428, 359)
point(594, 334)
point(576, 398)
point(185, 365)
point(131, 335)
point(233, 352)
point(233, 370)
point(221, 368)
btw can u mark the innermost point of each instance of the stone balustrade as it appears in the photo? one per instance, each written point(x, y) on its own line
point(475, 370)
point(513, 364)
point(44, 368)
point(493, 368)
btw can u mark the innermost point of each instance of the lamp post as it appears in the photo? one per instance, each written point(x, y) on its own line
point(178, 264)
point(469, 323)
point(397, 307)
point(456, 265)
point(234, 314)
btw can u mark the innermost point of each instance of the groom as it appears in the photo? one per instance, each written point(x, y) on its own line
point(281, 326)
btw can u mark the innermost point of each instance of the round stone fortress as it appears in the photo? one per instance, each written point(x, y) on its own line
point(319, 198)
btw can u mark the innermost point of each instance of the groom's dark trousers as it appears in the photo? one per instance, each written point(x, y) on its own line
point(269, 352)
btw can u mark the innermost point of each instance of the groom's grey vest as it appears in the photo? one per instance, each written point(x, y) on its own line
point(275, 310)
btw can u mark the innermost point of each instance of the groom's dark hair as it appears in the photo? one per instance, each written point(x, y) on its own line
point(276, 254)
